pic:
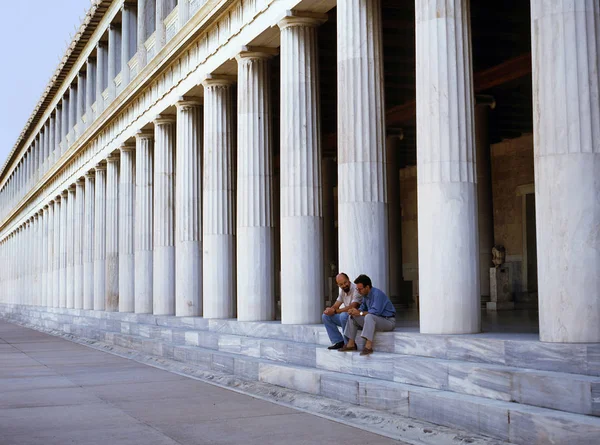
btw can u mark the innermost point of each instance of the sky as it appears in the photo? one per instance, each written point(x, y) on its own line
point(34, 36)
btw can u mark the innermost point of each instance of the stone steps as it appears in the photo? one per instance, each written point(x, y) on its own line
point(503, 420)
point(459, 386)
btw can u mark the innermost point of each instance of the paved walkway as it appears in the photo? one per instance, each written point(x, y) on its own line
point(53, 391)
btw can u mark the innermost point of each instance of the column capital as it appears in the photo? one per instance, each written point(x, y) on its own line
point(65, 194)
point(145, 134)
point(256, 52)
point(71, 188)
point(100, 166)
point(128, 4)
point(80, 181)
point(113, 157)
point(127, 147)
point(90, 174)
point(186, 102)
point(57, 198)
point(302, 18)
point(161, 119)
point(218, 80)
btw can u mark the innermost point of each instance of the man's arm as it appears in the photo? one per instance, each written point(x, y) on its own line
point(345, 309)
point(334, 309)
point(378, 301)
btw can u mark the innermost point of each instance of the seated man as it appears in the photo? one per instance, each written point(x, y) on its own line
point(376, 313)
point(337, 315)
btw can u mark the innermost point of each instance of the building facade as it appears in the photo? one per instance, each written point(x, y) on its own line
point(224, 159)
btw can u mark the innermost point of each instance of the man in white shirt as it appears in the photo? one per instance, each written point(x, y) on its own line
point(337, 315)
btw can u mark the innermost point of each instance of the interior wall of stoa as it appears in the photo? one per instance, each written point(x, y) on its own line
point(409, 229)
point(512, 181)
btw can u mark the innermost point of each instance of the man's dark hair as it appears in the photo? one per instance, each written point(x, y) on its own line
point(364, 280)
point(345, 274)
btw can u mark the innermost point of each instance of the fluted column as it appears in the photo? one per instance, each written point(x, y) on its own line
point(565, 56)
point(145, 27)
point(254, 216)
point(72, 111)
point(112, 232)
point(70, 248)
point(144, 197)
point(90, 91)
point(89, 241)
point(64, 123)
point(100, 238)
point(101, 61)
point(52, 284)
point(126, 231)
point(446, 175)
point(128, 39)
point(300, 166)
point(218, 220)
point(52, 153)
point(163, 9)
point(188, 201)
point(183, 11)
point(58, 132)
point(80, 103)
point(78, 236)
point(361, 142)
point(64, 237)
point(44, 288)
point(114, 58)
point(164, 217)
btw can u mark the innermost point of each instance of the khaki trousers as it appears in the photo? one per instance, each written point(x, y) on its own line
point(369, 324)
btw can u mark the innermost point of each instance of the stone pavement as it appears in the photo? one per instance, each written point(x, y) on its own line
point(53, 391)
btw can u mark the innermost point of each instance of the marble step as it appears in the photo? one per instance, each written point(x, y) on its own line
point(566, 392)
point(513, 350)
point(517, 423)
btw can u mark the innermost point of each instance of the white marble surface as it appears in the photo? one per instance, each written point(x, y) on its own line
point(70, 283)
point(218, 203)
point(164, 217)
point(126, 229)
point(78, 237)
point(100, 237)
point(88, 241)
point(567, 167)
point(143, 239)
point(188, 209)
point(62, 251)
point(112, 232)
point(449, 291)
point(300, 165)
point(362, 220)
point(254, 216)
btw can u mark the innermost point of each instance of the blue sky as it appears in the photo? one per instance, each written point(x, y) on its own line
point(33, 38)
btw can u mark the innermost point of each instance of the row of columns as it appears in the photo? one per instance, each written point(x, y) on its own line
point(191, 251)
point(112, 56)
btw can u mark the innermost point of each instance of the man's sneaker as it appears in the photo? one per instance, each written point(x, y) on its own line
point(337, 345)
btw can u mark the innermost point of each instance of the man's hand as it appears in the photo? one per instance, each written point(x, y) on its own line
point(354, 312)
point(329, 311)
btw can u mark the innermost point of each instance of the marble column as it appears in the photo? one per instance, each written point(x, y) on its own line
point(101, 61)
point(254, 215)
point(70, 287)
point(484, 195)
point(64, 129)
point(362, 200)
point(446, 171)
point(143, 240)
point(80, 103)
point(565, 58)
point(78, 237)
point(112, 233)
point(72, 111)
point(146, 10)
point(90, 91)
point(183, 10)
point(53, 154)
point(44, 287)
point(52, 284)
point(89, 241)
point(188, 202)
point(114, 58)
point(100, 238)
point(128, 39)
point(64, 240)
point(300, 166)
point(126, 230)
point(57, 133)
point(164, 217)
point(163, 9)
point(218, 219)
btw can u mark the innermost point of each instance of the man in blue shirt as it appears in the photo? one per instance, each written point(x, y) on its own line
point(376, 313)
